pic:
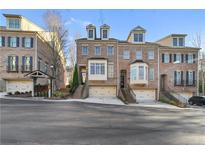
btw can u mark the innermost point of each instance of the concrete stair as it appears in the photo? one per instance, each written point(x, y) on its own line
point(128, 98)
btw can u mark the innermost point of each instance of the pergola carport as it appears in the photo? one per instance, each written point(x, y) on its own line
point(34, 75)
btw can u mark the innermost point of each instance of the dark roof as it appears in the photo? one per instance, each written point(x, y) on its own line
point(138, 28)
point(12, 15)
point(111, 39)
point(105, 26)
point(137, 61)
point(90, 26)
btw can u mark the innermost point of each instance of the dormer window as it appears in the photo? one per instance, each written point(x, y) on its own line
point(138, 37)
point(90, 33)
point(178, 42)
point(14, 23)
point(104, 34)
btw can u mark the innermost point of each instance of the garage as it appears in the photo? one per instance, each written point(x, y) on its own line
point(145, 94)
point(102, 91)
point(21, 86)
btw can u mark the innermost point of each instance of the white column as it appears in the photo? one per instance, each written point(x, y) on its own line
point(49, 88)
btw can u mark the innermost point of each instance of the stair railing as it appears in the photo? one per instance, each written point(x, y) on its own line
point(131, 92)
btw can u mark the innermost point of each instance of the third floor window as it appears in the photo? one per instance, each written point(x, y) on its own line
point(138, 37)
point(14, 23)
point(27, 42)
point(13, 41)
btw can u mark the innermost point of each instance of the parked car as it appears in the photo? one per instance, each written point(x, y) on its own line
point(198, 100)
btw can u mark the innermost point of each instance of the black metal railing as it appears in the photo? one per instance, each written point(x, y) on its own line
point(12, 69)
point(26, 68)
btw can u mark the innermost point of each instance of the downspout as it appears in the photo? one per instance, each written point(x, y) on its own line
point(117, 70)
point(36, 54)
point(198, 74)
point(158, 89)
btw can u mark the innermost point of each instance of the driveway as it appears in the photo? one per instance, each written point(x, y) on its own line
point(41, 122)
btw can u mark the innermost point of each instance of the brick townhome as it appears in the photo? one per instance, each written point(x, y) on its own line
point(24, 47)
point(109, 67)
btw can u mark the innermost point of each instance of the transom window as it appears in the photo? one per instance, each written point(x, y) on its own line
point(110, 50)
point(150, 55)
point(14, 23)
point(138, 37)
point(84, 50)
point(97, 68)
point(138, 54)
point(126, 54)
point(97, 50)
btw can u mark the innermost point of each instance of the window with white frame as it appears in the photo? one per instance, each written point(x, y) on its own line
point(138, 37)
point(27, 42)
point(97, 50)
point(178, 58)
point(90, 33)
point(178, 78)
point(104, 33)
point(133, 73)
point(181, 42)
point(12, 63)
point(151, 55)
point(13, 42)
point(2, 41)
point(14, 23)
point(126, 54)
point(110, 50)
point(84, 50)
point(175, 42)
point(138, 55)
point(97, 68)
point(151, 73)
point(27, 63)
point(190, 58)
point(166, 58)
point(110, 70)
point(141, 72)
point(190, 77)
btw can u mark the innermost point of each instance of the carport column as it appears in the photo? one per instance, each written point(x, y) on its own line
point(49, 87)
point(34, 83)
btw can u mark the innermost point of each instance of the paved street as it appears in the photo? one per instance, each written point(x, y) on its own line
point(34, 122)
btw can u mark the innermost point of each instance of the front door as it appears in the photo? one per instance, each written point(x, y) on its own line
point(83, 74)
point(162, 82)
point(122, 78)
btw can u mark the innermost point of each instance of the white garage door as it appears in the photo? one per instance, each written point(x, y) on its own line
point(145, 94)
point(99, 91)
point(21, 86)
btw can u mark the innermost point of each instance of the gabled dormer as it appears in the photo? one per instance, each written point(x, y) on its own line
point(137, 35)
point(173, 40)
point(104, 32)
point(91, 32)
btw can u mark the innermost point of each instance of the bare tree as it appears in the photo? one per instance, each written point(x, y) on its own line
point(57, 36)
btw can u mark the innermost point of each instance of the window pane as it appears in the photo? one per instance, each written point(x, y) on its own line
point(102, 68)
point(139, 55)
point(104, 33)
point(134, 73)
point(84, 50)
point(178, 78)
point(141, 72)
point(13, 42)
point(110, 70)
point(110, 51)
point(138, 37)
point(150, 54)
point(97, 50)
point(90, 33)
point(166, 58)
point(151, 74)
point(174, 41)
point(181, 41)
point(92, 68)
point(14, 23)
point(190, 58)
point(27, 42)
point(126, 54)
point(190, 82)
point(178, 58)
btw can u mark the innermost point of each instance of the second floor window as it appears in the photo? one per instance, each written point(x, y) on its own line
point(14, 23)
point(165, 58)
point(12, 63)
point(13, 41)
point(2, 41)
point(190, 58)
point(110, 50)
point(177, 58)
point(138, 37)
point(178, 77)
point(190, 77)
point(27, 63)
point(150, 55)
point(138, 55)
point(85, 50)
point(133, 73)
point(110, 70)
point(27, 42)
point(97, 51)
point(151, 73)
point(126, 54)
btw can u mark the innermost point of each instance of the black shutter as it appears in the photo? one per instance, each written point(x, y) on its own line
point(3, 41)
point(31, 63)
point(174, 57)
point(23, 63)
point(182, 78)
point(31, 42)
point(8, 69)
point(187, 77)
point(17, 38)
point(23, 42)
point(9, 38)
point(175, 76)
point(186, 58)
point(194, 58)
point(170, 58)
point(17, 62)
point(162, 58)
point(194, 78)
point(182, 58)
